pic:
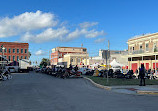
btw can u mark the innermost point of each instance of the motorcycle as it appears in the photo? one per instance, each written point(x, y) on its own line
point(71, 73)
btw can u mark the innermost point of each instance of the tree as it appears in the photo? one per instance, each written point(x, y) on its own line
point(45, 62)
point(29, 54)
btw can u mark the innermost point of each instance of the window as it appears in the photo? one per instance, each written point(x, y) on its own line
point(130, 49)
point(5, 50)
point(79, 60)
point(0, 49)
point(25, 57)
point(13, 58)
point(154, 47)
point(9, 57)
point(84, 50)
point(13, 50)
point(25, 50)
point(140, 47)
point(17, 58)
point(147, 46)
point(71, 59)
point(21, 57)
point(9, 50)
point(21, 50)
point(17, 50)
point(133, 48)
point(117, 52)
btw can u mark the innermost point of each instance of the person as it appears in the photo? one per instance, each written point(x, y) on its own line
point(76, 68)
point(142, 75)
point(70, 67)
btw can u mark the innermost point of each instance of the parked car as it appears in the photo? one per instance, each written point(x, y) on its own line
point(86, 71)
point(11, 69)
point(38, 70)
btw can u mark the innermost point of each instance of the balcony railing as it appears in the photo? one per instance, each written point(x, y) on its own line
point(147, 50)
point(138, 51)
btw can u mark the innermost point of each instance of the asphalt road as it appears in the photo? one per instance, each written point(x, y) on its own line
point(41, 92)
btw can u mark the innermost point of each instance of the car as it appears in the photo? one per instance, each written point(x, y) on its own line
point(11, 69)
point(85, 71)
point(38, 70)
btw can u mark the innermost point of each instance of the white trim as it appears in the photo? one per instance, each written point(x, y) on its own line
point(146, 42)
point(140, 43)
point(143, 38)
point(155, 40)
point(131, 45)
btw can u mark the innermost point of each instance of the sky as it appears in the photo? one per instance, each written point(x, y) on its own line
point(46, 24)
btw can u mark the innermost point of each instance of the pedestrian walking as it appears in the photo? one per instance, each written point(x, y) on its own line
point(142, 75)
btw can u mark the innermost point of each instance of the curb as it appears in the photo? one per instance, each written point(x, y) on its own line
point(147, 92)
point(98, 85)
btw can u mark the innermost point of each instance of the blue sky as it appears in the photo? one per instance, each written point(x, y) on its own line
point(114, 20)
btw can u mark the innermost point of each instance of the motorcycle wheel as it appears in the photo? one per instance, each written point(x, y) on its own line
point(10, 77)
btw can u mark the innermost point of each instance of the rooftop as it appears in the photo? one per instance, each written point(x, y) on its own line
point(143, 36)
point(72, 47)
point(12, 43)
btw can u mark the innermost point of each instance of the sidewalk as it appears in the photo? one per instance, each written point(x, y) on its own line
point(129, 89)
point(148, 89)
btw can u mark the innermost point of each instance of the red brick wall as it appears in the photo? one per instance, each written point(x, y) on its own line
point(56, 55)
point(14, 45)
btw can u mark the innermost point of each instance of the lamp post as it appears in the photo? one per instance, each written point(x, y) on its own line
point(3, 48)
point(109, 61)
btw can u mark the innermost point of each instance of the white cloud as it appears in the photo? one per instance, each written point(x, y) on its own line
point(47, 35)
point(94, 33)
point(100, 40)
point(27, 21)
point(40, 53)
point(60, 34)
point(88, 24)
point(39, 27)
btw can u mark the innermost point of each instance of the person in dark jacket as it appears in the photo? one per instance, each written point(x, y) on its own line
point(142, 75)
point(76, 68)
point(70, 67)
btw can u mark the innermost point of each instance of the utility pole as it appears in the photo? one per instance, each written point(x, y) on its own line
point(109, 61)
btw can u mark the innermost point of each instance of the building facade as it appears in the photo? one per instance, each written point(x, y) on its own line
point(104, 57)
point(143, 50)
point(76, 59)
point(59, 52)
point(14, 51)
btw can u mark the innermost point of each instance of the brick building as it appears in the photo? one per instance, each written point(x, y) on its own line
point(59, 52)
point(143, 50)
point(14, 51)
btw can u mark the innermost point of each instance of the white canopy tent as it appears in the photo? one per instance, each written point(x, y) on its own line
point(114, 63)
point(94, 65)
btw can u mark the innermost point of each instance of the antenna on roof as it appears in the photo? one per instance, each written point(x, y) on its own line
point(82, 45)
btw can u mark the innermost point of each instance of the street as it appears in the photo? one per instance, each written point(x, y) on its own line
point(41, 92)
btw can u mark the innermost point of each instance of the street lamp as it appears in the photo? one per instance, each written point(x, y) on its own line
point(3, 48)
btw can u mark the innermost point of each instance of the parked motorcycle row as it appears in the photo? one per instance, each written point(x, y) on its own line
point(72, 72)
point(60, 72)
point(111, 74)
point(5, 75)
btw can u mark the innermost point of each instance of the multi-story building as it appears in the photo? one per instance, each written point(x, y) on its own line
point(14, 51)
point(143, 50)
point(59, 52)
point(75, 59)
point(104, 57)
